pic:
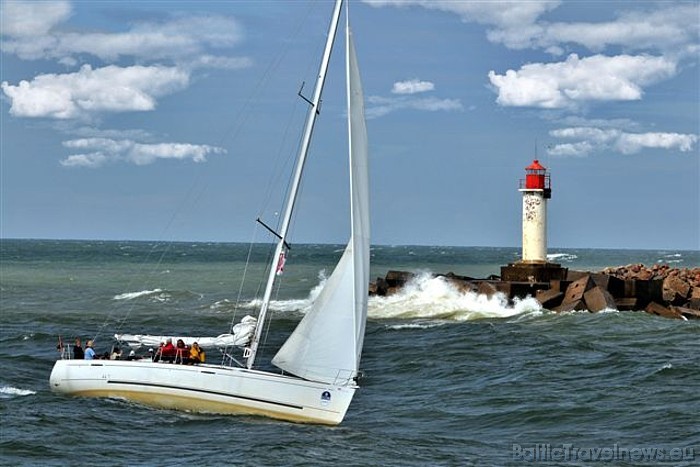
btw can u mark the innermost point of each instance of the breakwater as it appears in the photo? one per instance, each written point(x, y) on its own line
point(660, 290)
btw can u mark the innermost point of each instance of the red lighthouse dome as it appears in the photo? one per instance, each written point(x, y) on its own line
point(536, 178)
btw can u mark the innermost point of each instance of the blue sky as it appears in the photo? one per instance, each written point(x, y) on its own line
point(178, 120)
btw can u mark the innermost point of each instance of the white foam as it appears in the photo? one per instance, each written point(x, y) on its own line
point(671, 258)
point(132, 295)
point(561, 256)
point(9, 391)
point(435, 298)
point(293, 305)
point(426, 325)
point(424, 297)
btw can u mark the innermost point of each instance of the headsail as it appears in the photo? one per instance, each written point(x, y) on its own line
point(327, 344)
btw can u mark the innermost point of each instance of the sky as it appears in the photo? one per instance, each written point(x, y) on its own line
point(179, 120)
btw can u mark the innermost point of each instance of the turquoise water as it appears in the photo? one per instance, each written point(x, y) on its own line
point(450, 379)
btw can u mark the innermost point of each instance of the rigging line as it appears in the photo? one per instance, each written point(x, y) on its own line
point(236, 127)
point(159, 262)
point(291, 156)
point(268, 324)
point(114, 309)
point(240, 289)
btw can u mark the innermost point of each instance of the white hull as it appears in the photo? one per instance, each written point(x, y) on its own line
point(204, 388)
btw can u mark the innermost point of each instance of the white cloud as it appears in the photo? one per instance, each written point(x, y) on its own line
point(104, 150)
point(380, 106)
point(412, 86)
point(610, 139)
point(514, 22)
point(501, 13)
point(224, 63)
point(580, 149)
point(665, 26)
point(575, 81)
point(88, 91)
point(630, 143)
point(30, 32)
point(30, 19)
point(597, 135)
point(92, 160)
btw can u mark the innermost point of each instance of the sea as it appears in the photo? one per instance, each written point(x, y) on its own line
point(449, 378)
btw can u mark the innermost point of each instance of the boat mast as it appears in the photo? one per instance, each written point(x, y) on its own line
point(252, 350)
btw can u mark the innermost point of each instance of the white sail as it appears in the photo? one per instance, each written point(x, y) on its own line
point(327, 344)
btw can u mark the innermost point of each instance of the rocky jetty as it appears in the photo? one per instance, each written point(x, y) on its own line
point(659, 290)
point(680, 291)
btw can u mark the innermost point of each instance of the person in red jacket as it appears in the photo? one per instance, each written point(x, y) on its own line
point(168, 351)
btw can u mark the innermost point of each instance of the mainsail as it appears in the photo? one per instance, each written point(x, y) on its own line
point(327, 344)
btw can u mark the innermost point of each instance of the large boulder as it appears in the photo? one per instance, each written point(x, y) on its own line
point(549, 299)
point(660, 310)
point(676, 290)
point(599, 299)
point(575, 291)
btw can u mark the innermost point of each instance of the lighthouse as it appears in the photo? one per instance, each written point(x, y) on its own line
point(536, 190)
point(533, 266)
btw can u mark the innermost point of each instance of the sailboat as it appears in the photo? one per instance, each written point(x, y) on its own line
point(317, 367)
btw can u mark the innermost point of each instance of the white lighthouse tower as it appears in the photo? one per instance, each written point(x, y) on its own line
point(536, 190)
point(533, 266)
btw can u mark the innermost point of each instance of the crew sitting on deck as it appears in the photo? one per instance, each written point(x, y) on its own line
point(89, 351)
point(182, 354)
point(78, 353)
point(196, 354)
point(116, 354)
point(168, 351)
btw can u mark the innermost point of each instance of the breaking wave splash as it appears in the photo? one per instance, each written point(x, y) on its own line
point(561, 257)
point(133, 295)
point(157, 295)
point(436, 298)
point(7, 392)
point(424, 297)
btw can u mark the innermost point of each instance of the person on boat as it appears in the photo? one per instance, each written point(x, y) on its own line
point(78, 353)
point(116, 354)
point(168, 351)
point(89, 351)
point(133, 356)
point(182, 354)
point(196, 354)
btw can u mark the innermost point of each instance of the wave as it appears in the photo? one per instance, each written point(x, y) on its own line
point(562, 256)
point(159, 295)
point(416, 325)
point(424, 297)
point(427, 297)
point(132, 295)
point(671, 258)
point(293, 305)
point(7, 392)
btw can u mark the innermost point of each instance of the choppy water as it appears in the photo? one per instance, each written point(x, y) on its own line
point(450, 379)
